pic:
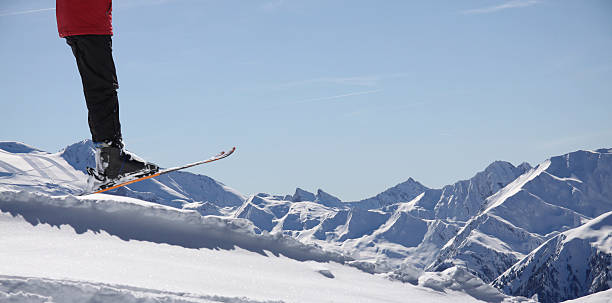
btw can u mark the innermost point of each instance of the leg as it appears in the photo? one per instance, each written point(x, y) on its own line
point(94, 59)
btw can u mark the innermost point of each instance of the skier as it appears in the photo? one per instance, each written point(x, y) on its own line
point(87, 27)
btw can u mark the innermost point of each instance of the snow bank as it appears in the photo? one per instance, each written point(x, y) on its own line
point(131, 219)
point(46, 260)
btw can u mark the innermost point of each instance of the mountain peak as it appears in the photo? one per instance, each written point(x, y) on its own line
point(327, 199)
point(410, 182)
point(301, 195)
point(524, 167)
point(499, 165)
point(402, 192)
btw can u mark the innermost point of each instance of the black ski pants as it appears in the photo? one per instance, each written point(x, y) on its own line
point(94, 59)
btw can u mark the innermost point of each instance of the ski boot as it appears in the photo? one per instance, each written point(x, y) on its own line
point(115, 164)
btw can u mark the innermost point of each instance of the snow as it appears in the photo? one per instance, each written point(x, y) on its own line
point(402, 192)
point(132, 219)
point(189, 238)
point(457, 278)
point(464, 199)
point(106, 241)
point(535, 207)
point(24, 167)
point(597, 231)
point(404, 229)
point(600, 297)
point(64, 173)
point(515, 186)
point(27, 289)
point(575, 263)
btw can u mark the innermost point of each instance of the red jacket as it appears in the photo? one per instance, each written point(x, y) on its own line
point(84, 17)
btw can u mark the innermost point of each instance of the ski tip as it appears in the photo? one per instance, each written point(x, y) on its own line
point(224, 154)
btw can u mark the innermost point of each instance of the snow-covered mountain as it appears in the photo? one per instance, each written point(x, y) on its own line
point(402, 192)
point(562, 193)
point(485, 224)
point(407, 223)
point(472, 232)
point(108, 248)
point(573, 264)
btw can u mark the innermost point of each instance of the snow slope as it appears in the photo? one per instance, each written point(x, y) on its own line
point(27, 168)
point(110, 247)
point(600, 297)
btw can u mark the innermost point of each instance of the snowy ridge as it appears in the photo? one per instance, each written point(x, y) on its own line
point(464, 199)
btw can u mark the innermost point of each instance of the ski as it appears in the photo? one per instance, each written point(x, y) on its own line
point(137, 178)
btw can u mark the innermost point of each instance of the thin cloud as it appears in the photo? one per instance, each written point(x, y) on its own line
point(497, 8)
point(360, 81)
point(273, 5)
point(339, 96)
point(370, 80)
point(32, 11)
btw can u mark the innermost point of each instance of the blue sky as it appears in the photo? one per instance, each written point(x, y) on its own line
point(348, 96)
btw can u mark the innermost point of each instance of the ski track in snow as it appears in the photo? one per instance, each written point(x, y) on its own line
point(22, 289)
